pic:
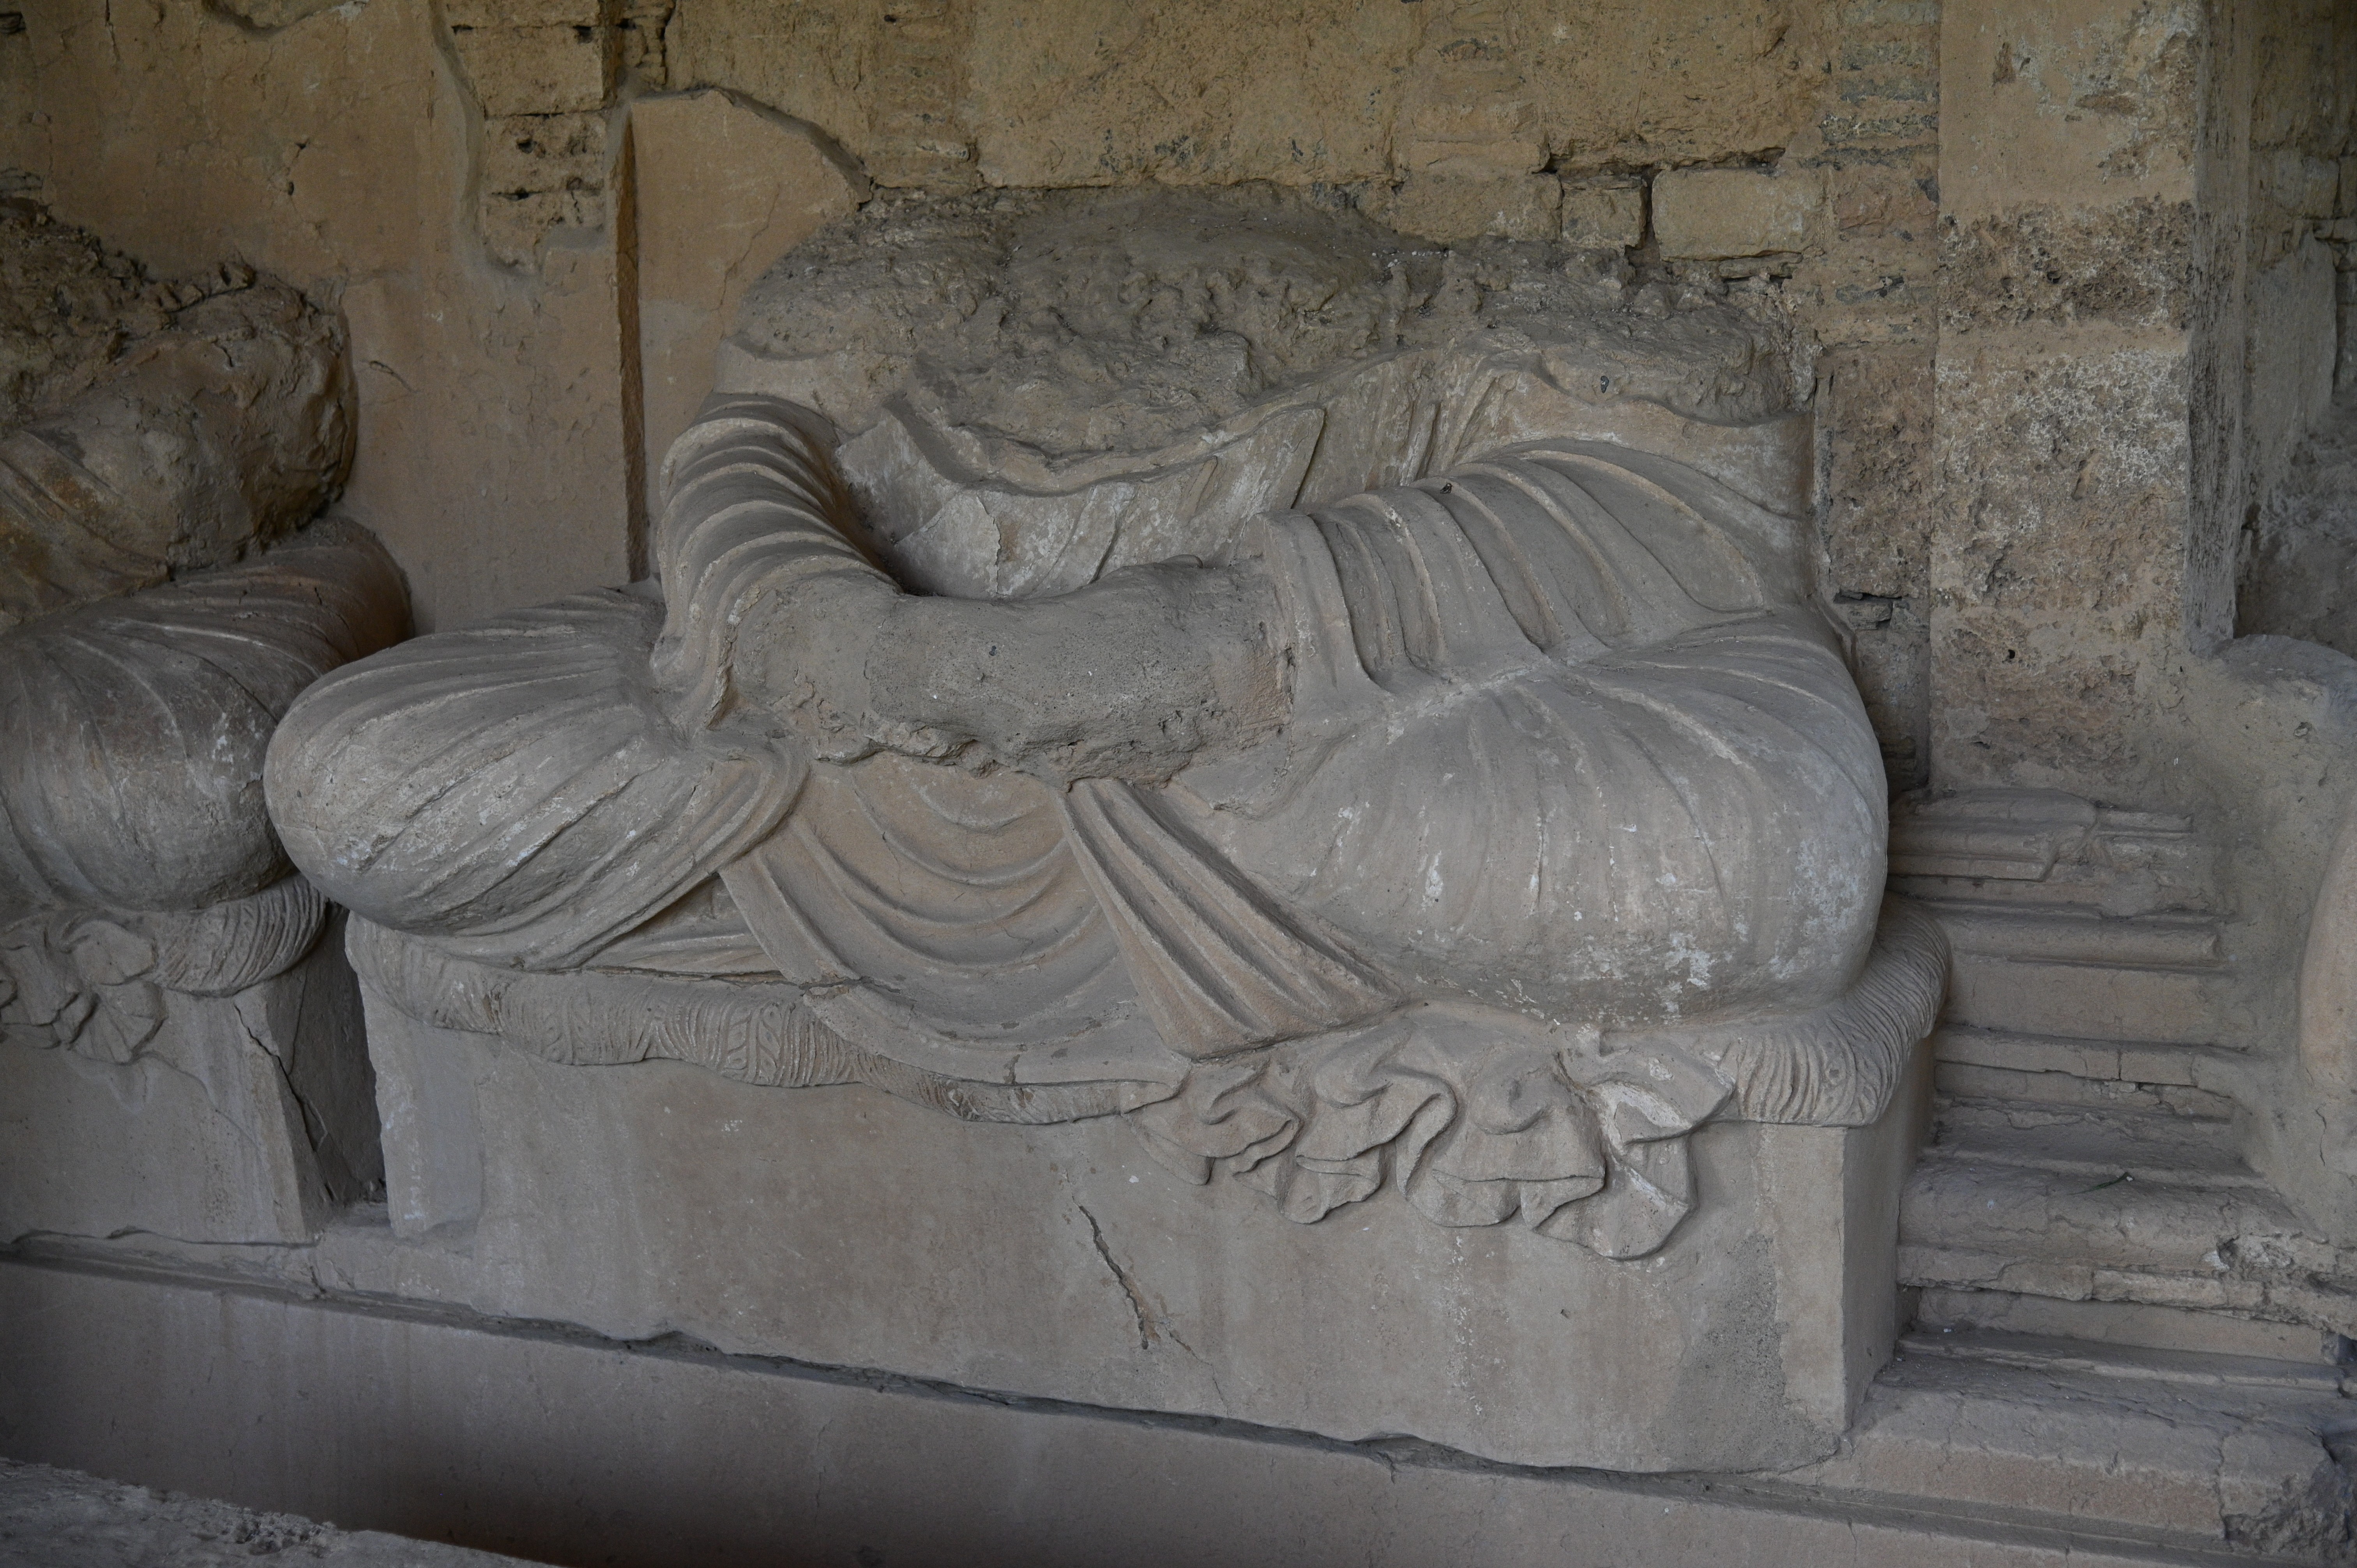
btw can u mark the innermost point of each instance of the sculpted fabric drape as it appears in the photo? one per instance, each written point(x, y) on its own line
point(145, 719)
point(1569, 759)
point(1506, 679)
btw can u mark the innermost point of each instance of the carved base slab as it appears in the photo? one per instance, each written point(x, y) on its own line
point(241, 1118)
point(844, 1226)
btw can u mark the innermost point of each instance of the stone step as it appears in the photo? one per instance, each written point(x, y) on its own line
point(2058, 1353)
point(2099, 887)
point(1968, 1080)
point(2098, 1143)
point(2121, 1002)
point(2011, 834)
point(2076, 933)
point(2131, 1325)
point(2121, 1075)
point(2153, 1062)
point(2028, 845)
point(2205, 1241)
point(2230, 1450)
point(2126, 1207)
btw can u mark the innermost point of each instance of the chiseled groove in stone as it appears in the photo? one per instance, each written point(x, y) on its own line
point(1978, 1527)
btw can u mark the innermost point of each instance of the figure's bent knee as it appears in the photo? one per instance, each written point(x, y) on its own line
point(468, 782)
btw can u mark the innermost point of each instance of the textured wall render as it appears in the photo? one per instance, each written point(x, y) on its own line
point(1331, 91)
point(455, 176)
point(338, 152)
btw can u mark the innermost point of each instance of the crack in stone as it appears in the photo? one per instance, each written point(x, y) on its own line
point(1135, 1297)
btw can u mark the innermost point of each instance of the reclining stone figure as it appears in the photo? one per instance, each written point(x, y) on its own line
point(1411, 774)
point(155, 620)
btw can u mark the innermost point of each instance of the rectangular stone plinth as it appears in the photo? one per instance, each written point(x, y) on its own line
point(243, 1119)
point(849, 1229)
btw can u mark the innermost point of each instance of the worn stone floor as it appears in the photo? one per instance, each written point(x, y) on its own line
point(63, 1519)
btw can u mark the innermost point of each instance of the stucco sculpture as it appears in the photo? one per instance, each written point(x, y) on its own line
point(156, 618)
point(1326, 701)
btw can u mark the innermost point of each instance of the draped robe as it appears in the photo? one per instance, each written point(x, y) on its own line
point(1569, 750)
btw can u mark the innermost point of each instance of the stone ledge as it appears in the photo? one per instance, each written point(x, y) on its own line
point(536, 1440)
point(845, 1226)
point(63, 1519)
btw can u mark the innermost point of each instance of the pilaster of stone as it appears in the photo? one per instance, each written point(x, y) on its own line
point(1866, 290)
point(2065, 363)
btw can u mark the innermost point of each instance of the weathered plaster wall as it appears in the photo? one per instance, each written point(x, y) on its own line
point(2285, 169)
point(2052, 260)
point(465, 181)
point(338, 151)
point(2136, 327)
point(2066, 200)
point(1331, 91)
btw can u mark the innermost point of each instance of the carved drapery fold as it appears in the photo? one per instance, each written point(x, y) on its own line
point(1571, 841)
point(135, 853)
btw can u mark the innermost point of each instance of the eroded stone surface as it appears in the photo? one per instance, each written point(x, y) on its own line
point(751, 1453)
point(63, 1518)
point(1711, 214)
point(1084, 324)
point(67, 304)
point(1332, 93)
point(2304, 550)
point(1171, 785)
point(181, 1055)
point(156, 427)
point(1064, 1261)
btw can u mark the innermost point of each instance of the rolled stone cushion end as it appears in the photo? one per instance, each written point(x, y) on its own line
point(147, 718)
point(514, 787)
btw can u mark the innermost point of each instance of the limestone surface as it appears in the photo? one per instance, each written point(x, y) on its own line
point(63, 1518)
point(1362, 712)
point(180, 1054)
point(2303, 549)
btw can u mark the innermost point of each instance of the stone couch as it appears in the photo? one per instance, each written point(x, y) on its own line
point(180, 1050)
point(1409, 770)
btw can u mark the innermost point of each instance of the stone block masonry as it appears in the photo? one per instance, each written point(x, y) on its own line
point(1716, 214)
